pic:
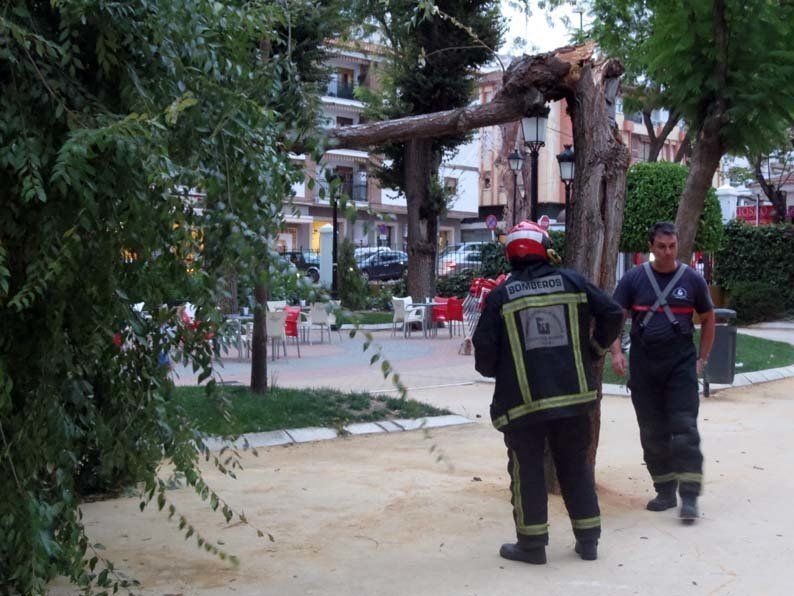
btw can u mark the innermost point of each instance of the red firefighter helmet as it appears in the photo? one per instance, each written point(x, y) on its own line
point(527, 240)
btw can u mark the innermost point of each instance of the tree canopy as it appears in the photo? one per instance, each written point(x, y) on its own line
point(141, 148)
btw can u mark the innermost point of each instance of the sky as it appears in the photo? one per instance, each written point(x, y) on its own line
point(536, 29)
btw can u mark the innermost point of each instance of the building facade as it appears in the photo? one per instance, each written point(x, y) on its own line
point(381, 212)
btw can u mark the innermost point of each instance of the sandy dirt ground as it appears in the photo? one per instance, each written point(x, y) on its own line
point(379, 515)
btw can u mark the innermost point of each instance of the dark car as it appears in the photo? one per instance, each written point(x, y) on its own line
point(308, 262)
point(383, 265)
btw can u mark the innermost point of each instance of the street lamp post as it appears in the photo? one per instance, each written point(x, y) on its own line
point(567, 162)
point(516, 161)
point(334, 179)
point(533, 125)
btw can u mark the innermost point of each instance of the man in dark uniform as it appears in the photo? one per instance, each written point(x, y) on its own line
point(660, 296)
point(534, 338)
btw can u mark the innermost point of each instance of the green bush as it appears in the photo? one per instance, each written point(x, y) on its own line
point(749, 254)
point(457, 284)
point(380, 295)
point(653, 191)
point(756, 302)
point(494, 261)
point(558, 242)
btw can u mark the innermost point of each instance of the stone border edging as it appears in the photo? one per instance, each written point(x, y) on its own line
point(293, 436)
point(739, 380)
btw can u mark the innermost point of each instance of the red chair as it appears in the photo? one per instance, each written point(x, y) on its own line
point(439, 312)
point(291, 325)
point(454, 315)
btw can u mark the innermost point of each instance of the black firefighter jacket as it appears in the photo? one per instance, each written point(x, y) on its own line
point(534, 337)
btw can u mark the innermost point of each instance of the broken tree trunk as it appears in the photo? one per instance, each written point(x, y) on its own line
point(594, 216)
point(530, 81)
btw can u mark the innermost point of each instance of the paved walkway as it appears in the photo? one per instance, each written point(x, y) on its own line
point(431, 364)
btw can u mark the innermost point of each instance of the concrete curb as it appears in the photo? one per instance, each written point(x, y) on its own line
point(292, 436)
point(369, 327)
point(739, 380)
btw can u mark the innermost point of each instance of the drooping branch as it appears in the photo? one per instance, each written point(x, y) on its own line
point(530, 81)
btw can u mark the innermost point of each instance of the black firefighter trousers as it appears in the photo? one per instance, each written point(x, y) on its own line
point(664, 391)
point(569, 439)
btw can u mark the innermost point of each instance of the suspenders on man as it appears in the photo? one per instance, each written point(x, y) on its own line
point(663, 367)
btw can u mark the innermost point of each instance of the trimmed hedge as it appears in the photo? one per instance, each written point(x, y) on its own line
point(653, 191)
point(756, 266)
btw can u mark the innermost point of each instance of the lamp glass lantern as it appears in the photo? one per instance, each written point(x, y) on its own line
point(567, 161)
point(516, 161)
point(533, 126)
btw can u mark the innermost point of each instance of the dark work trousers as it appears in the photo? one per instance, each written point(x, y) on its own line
point(569, 439)
point(664, 391)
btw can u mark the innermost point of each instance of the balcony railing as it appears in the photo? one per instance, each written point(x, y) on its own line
point(341, 90)
point(353, 192)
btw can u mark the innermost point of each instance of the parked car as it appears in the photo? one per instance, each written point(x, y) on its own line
point(367, 251)
point(307, 262)
point(466, 258)
point(382, 265)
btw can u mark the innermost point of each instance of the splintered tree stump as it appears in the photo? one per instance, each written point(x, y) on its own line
point(594, 214)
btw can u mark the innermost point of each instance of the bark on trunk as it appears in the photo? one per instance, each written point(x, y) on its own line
point(772, 192)
point(259, 342)
point(657, 140)
point(684, 151)
point(708, 144)
point(704, 162)
point(594, 216)
point(422, 218)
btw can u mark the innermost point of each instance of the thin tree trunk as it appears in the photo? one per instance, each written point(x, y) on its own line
point(657, 141)
point(773, 193)
point(703, 164)
point(422, 218)
point(684, 150)
point(708, 145)
point(259, 341)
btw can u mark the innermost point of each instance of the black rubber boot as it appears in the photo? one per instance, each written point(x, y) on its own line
point(664, 499)
point(516, 552)
point(587, 549)
point(689, 509)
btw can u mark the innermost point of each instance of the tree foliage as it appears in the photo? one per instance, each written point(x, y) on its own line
point(109, 112)
point(653, 191)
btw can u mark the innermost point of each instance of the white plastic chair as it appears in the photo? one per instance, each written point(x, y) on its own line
point(275, 322)
point(247, 339)
point(320, 317)
point(406, 315)
point(275, 305)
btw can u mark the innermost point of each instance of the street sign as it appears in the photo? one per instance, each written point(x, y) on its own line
point(544, 222)
point(491, 222)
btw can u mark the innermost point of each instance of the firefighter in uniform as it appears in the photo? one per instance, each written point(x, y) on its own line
point(660, 297)
point(534, 337)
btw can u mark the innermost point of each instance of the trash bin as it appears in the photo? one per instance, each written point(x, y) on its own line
point(722, 360)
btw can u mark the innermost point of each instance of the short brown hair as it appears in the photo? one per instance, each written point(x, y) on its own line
point(665, 228)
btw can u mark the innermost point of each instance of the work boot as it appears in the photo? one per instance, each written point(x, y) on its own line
point(515, 552)
point(664, 499)
point(689, 509)
point(587, 549)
